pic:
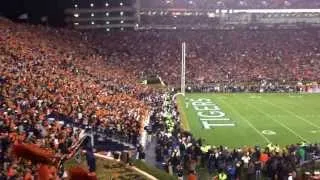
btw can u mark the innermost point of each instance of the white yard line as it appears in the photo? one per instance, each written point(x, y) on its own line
point(280, 123)
point(248, 122)
point(293, 114)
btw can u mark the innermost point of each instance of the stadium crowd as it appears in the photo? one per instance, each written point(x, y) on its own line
point(225, 57)
point(230, 4)
point(47, 79)
point(51, 75)
point(186, 22)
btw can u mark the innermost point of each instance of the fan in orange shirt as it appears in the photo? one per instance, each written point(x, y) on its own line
point(28, 175)
point(192, 176)
point(76, 173)
point(264, 158)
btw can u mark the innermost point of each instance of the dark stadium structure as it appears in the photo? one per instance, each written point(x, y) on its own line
point(183, 14)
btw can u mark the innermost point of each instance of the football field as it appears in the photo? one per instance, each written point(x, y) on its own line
point(240, 119)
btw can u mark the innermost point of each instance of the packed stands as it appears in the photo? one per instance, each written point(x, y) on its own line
point(48, 81)
point(217, 56)
point(230, 4)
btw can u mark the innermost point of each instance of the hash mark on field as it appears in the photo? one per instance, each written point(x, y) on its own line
point(293, 114)
point(314, 131)
point(248, 122)
point(280, 123)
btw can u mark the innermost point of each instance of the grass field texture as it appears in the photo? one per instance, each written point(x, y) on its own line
point(258, 119)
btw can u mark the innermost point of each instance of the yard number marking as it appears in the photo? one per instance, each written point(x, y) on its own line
point(268, 132)
point(210, 114)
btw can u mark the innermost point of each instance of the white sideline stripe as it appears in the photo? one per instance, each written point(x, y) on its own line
point(222, 125)
point(222, 119)
point(248, 122)
point(283, 125)
point(132, 167)
point(294, 114)
point(143, 139)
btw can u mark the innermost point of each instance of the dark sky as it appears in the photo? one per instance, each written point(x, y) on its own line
point(53, 9)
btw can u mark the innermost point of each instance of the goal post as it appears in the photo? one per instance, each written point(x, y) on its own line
point(183, 68)
point(183, 73)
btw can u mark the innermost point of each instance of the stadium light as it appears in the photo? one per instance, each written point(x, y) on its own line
point(211, 15)
point(92, 14)
point(107, 22)
point(92, 22)
point(121, 13)
point(108, 29)
point(121, 4)
point(107, 14)
point(91, 5)
point(76, 5)
point(107, 4)
point(76, 23)
point(122, 29)
point(121, 21)
point(76, 15)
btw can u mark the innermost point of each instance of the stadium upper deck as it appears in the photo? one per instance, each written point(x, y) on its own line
point(230, 4)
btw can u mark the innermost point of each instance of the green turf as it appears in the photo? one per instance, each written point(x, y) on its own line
point(293, 117)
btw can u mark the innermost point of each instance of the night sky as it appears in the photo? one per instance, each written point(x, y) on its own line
point(53, 9)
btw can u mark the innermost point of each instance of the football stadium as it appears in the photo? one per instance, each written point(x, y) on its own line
point(160, 90)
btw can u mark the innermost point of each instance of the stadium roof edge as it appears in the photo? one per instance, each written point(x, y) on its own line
point(226, 11)
point(275, 10)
